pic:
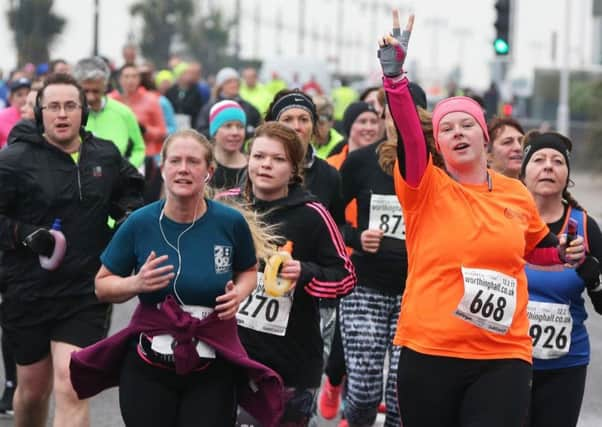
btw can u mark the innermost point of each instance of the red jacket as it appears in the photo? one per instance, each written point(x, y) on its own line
point(148, 111)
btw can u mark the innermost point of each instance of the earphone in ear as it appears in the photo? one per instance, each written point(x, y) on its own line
point(37, 113)
point(163, 176)
point(85, 113)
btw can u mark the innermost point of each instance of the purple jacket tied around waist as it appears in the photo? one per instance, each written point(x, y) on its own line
point(98, 367)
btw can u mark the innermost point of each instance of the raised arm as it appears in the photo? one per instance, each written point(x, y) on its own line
point(412, 150)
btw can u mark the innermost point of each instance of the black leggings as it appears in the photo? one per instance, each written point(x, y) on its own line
point(151, 396)
point(335, 365)
point(556, 397)
point(436, 391)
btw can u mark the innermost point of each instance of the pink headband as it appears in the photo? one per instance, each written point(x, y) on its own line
point(462, 104)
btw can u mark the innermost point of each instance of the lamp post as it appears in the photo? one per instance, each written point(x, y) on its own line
point(95, 45)
point(563, 113)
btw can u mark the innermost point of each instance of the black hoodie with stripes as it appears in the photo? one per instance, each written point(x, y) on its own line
point(326, 272)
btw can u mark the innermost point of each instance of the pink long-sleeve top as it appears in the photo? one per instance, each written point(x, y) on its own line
point(8, 118)
point(148, 111)
point(413, 157)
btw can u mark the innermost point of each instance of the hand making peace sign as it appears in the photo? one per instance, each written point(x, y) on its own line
point(394, 46)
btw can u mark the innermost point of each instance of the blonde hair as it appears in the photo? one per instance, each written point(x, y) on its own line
point(387, 151)
point(189, 133)
point(203, 142)
point(265, 236)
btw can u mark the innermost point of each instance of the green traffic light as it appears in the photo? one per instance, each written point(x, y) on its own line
point(501, 46)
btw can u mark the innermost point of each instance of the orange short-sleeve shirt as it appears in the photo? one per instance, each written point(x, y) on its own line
point(451, 226)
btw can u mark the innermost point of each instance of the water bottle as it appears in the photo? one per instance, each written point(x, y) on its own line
point(571, 233)
point(60, 246)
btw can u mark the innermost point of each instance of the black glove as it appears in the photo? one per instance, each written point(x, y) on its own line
point(39, 241)
point(589, 271)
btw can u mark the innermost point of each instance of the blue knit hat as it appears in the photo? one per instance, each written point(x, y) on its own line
point(223, 112)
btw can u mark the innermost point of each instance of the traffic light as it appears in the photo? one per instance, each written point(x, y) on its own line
point(501, 43)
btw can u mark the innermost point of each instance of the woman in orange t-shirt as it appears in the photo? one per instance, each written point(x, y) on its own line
point(463, 327)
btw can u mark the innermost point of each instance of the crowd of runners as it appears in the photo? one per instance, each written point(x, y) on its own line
point(294, 258)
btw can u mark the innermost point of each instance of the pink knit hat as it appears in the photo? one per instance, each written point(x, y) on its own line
point(462, 104)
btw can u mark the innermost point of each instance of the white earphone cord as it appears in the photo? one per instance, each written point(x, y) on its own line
point(177, 247)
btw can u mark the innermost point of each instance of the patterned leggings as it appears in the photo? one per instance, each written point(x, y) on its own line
point(368, 324)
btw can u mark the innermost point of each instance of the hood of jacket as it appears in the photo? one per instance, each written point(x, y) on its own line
point(25, 131)
point(297, 196)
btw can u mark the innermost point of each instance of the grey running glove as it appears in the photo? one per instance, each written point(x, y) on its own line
point(392, 56)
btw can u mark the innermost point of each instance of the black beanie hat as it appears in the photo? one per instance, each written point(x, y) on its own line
point(552, 140)
point(352, 112)
point(418, 95)
point(292, 99)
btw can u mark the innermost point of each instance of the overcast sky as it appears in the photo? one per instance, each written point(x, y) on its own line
point(447, 33)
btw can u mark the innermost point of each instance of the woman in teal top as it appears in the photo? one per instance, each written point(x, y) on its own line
point(199, 252)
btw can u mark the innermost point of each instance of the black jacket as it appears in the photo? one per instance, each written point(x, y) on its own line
point(186, 101)
point(38, 183)
point(253, 116)
point(324, 182)
point(326, 271)
point(362, 177)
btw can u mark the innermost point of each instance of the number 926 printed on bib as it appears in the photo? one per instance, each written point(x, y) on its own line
point(550, 327)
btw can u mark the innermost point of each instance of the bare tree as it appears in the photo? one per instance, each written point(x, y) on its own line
point(162, 19)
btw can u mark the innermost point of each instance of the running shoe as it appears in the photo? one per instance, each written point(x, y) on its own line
point(330, 400)
point(6, 402)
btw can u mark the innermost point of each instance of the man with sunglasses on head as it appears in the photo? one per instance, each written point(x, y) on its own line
point(56, 171)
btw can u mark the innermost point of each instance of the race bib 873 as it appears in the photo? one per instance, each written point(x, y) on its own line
point(386, 215)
